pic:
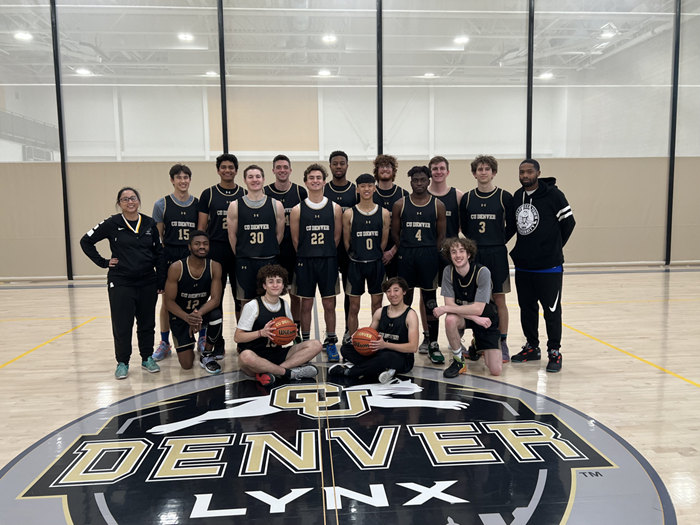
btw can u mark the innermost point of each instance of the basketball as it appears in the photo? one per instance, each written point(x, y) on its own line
point(283, 331)
point(362, 338)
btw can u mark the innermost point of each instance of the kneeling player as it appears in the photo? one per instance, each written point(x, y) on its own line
point(466, 287)
point(259, 356)
point(397, 325)
point(193, 298)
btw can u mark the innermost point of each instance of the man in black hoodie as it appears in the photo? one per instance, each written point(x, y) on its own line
point(544, 223)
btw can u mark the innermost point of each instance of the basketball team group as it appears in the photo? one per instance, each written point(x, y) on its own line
point(268, 238)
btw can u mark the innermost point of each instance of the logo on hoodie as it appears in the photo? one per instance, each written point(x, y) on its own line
point(528, 218)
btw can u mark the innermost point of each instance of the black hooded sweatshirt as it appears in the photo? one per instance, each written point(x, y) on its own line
point(140, 254)
point(544, 223)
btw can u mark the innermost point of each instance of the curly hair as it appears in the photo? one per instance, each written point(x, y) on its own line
point(468, 245)
point(382, 160)
point(315, 167)
point(272, 270)
point(490, 161)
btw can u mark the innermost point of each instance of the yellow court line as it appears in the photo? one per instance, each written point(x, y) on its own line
point(45, 343)
point(632, 355)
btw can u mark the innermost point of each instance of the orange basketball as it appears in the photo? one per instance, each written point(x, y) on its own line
point(283, 331)
point(362, 338)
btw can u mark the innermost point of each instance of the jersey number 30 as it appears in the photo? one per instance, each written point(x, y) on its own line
point(257, 237)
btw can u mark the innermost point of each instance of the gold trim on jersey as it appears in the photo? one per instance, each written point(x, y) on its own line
point(273, 190)
point(177, 203)
point(317, 209)
point(384, 196)
point(190, 271)
point(433, 197)
point(350, 185)
point(476, 192)
point(238, 187)
point(366, 214)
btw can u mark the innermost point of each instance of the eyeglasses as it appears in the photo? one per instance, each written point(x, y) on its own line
point(129, 199)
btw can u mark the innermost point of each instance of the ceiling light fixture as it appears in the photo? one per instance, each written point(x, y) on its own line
point(212, 74)
point(185, 37)
point(324, 73)
point(83, 71)
point(23, 35)
point(329, 39)
point(547, 75)
point(607, 34)
point(429, 75)
point(462, 39)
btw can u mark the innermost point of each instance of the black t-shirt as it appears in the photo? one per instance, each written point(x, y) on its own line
point(214, 202)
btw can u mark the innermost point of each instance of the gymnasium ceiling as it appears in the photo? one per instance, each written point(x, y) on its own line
point(321, 42)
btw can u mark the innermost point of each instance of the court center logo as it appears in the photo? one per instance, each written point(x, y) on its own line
point(527, 218)
point(417, 450)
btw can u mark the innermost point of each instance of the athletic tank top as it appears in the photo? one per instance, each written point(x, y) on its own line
point(386, 199)
point(264, 317)
point(290, 198)
point(465, 290)
point(257, 230)
point(366, 235)
point(316, 231)
point(483, 217)
point(419, 224)
point(193, 292)
point(393, 329)
point(451, 213)
point(179, 221)
point(219, 199)
point(345, 197)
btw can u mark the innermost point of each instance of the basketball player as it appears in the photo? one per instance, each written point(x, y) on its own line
point(365, 234)
point(255, 230)
point(418, 228)
point(397, 325)
point(344, 194)
point(387, 194)
point(176, 216)
point(466, 287)
point(316, 225)
point(259, 356)
point(486, 217)
point(450, 197)
point(289, 194)
point(193, 298)
point(544, 223)
point(213, 209)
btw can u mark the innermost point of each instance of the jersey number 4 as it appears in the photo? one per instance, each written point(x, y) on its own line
point(419, 236)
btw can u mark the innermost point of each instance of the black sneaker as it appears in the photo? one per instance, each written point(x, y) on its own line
point(554, 364)
point(473, 355)
point(456, 368)
point(209, 364)
point(338, 369)
point(528, 353)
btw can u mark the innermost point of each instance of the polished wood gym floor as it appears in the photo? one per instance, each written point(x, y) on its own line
point(630, 360)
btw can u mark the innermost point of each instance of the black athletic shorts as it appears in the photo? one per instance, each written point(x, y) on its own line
point(361, 272)
point(420, 267)
point(175, 252)
point(495, 258)
point(182, 340)
point(287, 258)
point(485, 338)
point(392, 269)
point(276, 355)
point(247, 276)
point(312, 271)
point(222, 253)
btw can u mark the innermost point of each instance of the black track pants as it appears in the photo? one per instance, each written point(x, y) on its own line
point(545, 288)
point(127, 303)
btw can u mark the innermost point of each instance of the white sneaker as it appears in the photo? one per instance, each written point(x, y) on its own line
point(386, 376)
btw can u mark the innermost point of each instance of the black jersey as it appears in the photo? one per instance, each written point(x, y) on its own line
point(344, 196)
point(290, 198)
point(465, 290)
point(316, 231)
point(483, 216)
point(179, 221)
point(393, 329)
point(264, 317)
point(451, 213)
point(366, 235)
point(214, 202)
point(386, 199)
point(256, 237)
point(193, 292)
point(419, 224)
